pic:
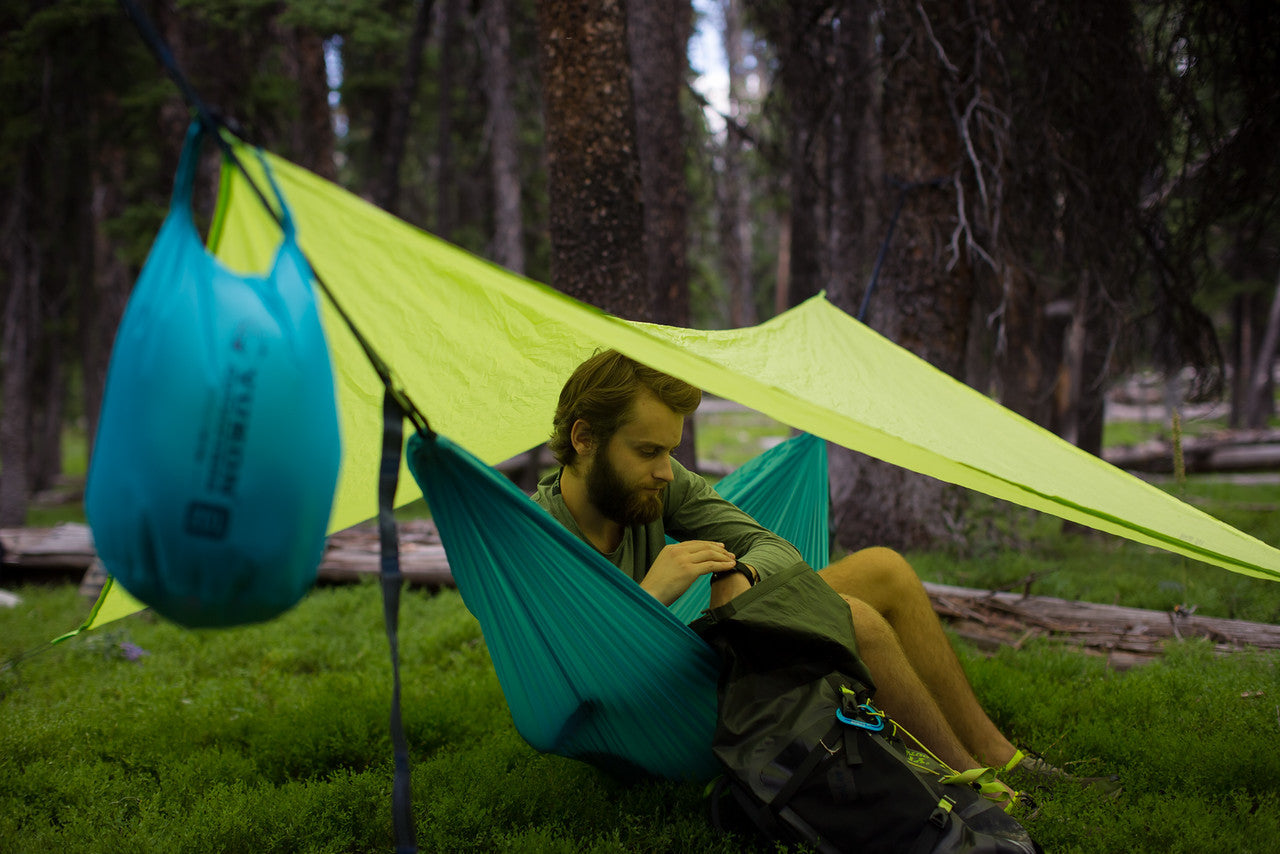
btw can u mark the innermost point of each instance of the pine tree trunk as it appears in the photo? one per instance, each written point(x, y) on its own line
point(21, 273)
point(445, 173)
point(804, 81)
point(857, 166)
point(1260, 401)
point(394, 138)
point(596, 213)
point(800, 33)
point(734, 197)
point(782, 286)
point(508, 227)
point(658, 32)
point(925, 295)
point(103, 303)
point(49, 390)
point(1029, 356)
point(310, 139)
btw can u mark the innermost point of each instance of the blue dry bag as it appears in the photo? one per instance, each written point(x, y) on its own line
point(217, 450)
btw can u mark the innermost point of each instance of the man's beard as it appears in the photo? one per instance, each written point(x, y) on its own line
point(608, 494)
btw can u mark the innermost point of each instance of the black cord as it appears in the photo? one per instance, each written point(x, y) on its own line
point(903, 189)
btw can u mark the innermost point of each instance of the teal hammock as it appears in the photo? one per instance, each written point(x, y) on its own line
point(593, 667)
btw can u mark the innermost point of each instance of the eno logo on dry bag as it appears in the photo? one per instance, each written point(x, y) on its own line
point(217, 450)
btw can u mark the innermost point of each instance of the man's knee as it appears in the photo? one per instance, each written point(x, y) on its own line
point(877, 570)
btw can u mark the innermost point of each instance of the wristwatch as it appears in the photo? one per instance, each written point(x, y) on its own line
point(746, 571)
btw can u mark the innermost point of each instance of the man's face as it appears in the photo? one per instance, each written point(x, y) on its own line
point(627, 476)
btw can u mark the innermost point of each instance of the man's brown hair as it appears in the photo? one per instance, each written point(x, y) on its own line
point(600, 392)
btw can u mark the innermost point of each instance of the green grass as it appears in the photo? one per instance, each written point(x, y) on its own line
point(49, 515)
point(735, 436)
point(273, 738)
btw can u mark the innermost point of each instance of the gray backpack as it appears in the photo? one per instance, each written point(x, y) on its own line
point(807, 758)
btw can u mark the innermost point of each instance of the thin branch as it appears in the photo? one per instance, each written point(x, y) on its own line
point(1189, 172)
point(942, 54)
point(731, 125)
point(963, 127)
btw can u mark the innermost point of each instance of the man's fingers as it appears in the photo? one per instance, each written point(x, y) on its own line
point(709, 557)
point(708, 550)
point(699, 557)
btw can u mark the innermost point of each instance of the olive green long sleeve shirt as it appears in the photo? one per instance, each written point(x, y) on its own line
point(692, 510)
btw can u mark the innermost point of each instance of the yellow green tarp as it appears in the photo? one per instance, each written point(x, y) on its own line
point(484, 352)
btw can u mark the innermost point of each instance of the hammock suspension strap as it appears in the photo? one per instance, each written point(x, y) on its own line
point(396, 408)
point(392, 580)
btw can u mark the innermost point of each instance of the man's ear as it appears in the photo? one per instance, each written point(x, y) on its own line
point(584, 442)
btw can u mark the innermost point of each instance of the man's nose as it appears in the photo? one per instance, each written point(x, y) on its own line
point(663, 471)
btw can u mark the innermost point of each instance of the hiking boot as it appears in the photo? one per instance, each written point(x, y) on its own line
point(1031, 766)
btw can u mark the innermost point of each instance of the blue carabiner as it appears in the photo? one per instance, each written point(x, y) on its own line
point(874, 725)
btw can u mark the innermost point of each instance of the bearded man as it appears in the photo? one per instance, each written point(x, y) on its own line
point(619, 490)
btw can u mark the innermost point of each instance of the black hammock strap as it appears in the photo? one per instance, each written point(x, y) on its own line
point(392, 582)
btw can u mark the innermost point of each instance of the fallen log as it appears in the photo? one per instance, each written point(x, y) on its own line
point(67, 551)
point(65, 546)
point(1125, 636)
point(354, 554)
point(1225, 451)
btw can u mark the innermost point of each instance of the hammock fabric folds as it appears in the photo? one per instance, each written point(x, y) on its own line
point(592, 667)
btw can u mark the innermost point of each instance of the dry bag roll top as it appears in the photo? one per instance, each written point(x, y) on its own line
point(217, 450)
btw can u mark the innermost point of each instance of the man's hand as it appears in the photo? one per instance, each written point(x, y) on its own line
point(679, 564)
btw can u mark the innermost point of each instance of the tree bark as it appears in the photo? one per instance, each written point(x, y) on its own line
point(802, 51)
point(1246, 330)
point(658, 38)
point(925, 292)
point(102, 304)
point(855, 229)
point(734, 197)
point(1259, 402)
point(310, 138)
point(396, 136)
point(21, 269)
point(782, 287)
point(49, 391)
point(504, 161)
point(1027, 359)
point(446, 177)
point(596, 212)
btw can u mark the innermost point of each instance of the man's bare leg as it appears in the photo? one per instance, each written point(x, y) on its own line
point(899, 689)
point(888, 585)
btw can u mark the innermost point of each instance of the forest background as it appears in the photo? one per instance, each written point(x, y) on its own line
point(1045, 195)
